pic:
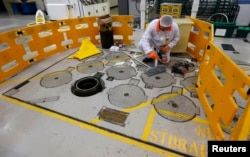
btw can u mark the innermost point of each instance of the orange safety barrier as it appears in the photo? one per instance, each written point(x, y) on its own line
point(200, 35)
point(24, 46)
point(219, 81)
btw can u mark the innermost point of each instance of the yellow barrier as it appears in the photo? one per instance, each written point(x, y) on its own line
point(216, 91)
point(22, 47)
point(219, 80)
point(200, 35)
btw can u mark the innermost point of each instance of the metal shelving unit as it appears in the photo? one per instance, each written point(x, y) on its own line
point(207, 8)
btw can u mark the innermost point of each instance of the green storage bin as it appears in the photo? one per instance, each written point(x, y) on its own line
point(242, 31)
point(224, 29)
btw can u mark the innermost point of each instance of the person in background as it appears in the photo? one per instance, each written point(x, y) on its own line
point(159, 37)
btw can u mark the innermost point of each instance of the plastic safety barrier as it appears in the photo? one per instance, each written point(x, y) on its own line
point(21, 47)
point(219, 81)
point(200, 35)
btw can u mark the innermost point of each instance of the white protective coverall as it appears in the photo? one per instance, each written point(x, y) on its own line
point(154, 38)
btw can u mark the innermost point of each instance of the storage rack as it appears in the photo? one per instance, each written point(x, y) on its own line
point(207, 8)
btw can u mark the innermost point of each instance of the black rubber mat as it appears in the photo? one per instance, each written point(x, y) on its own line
point(228, 47)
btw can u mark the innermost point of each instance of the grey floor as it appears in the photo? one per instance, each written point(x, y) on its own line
point(68, 126)
point(13, 21)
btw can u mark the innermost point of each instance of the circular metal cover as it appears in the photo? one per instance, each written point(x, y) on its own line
point(117, 57)
point(175, 108)
point(56, 79)
point(126, 96)
point(121, 72)
point(159, 80)
point(89, 67)
point(189, 83)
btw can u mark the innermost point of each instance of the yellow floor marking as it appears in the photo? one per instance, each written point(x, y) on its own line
point(245, 68)
point(157, 100)
point(95, 121)
point(142, 105)
point(148, 124)
point(184, 117)
point(121, 138)
point(6, 83)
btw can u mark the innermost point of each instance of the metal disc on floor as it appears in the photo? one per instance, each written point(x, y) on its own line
point(56, 79)
point(121, 72)
point(175, 108)
point(189, 83)
point(89, 67)
point(159, 80)
point(117, 57)
point(126, 96)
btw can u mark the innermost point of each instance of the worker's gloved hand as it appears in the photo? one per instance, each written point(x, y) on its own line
point(165, 49)
point(153, 55)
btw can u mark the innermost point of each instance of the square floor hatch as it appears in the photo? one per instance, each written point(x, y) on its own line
point(227, 47)
point(113, 116)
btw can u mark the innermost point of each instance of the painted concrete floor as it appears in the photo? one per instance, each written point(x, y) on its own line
point(40, 116)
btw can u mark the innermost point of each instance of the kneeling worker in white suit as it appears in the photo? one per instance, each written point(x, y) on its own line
point(161, 35)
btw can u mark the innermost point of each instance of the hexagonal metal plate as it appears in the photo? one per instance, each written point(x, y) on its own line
point(126, 96)
point(117, 57)
point(56, 79)
point(189, 83)
point(121, 72)
point(177, 108)
point(89, 67)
